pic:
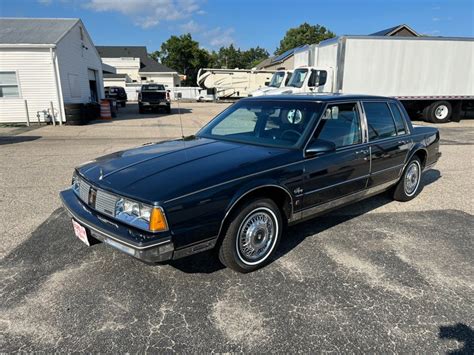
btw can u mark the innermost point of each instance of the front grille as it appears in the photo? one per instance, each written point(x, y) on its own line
point(104, 202)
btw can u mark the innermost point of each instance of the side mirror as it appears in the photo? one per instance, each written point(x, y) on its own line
point(318, 147)
point(267, 83)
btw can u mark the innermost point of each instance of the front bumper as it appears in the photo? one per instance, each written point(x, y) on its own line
point(144, 246)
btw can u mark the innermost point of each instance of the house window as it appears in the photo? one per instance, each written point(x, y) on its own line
point(9, 84)
point(143, 78)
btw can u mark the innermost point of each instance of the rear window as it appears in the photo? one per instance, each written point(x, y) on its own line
point(398, 118)
point(379, 120)
point(153, 87)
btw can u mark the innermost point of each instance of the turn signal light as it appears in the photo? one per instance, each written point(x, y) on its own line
point(157, 220)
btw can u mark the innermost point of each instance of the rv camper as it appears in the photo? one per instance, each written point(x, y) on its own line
point(232, 83)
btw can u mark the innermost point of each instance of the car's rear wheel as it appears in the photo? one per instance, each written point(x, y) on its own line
point(409, 185)
point(252, 236)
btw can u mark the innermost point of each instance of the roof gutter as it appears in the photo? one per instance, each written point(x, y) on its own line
point(57, 79)
point(26, 45)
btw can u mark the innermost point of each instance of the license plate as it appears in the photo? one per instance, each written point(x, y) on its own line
point(80, 232)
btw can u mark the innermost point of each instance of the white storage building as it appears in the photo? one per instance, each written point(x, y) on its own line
point(46, 63)
point(134, 67)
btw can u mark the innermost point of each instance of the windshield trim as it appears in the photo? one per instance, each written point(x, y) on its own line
point(298, 145)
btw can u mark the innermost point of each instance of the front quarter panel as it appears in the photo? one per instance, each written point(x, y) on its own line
point(199, 216)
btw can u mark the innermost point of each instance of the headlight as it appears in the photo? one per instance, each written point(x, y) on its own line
point(140, 215)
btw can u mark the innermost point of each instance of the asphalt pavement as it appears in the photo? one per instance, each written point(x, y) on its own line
point(377, 276)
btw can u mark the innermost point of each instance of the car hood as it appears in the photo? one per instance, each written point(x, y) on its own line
point(161, 171)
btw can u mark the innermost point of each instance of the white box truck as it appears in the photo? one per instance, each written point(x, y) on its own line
point(429, 75)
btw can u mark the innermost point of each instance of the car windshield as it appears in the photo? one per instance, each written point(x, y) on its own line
point(297, 79)
point(277, 78)
point(269, 123)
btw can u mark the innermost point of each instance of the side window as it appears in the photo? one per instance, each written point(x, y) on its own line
point(398, 118)
point(379, 120)
point(317, 78)
point(8, 84)
point(313, 78)
point(340, 124)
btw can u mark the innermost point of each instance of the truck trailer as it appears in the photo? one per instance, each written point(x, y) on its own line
point(433, 76)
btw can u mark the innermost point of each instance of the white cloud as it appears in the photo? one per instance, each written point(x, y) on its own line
point(436, 19)
point(45, 2)
point(147, 13)
point(190, 27)
point(219, 37)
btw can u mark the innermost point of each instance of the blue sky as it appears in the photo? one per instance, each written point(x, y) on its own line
point(245, 23)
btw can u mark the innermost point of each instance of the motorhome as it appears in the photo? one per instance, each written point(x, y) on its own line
point(429, 75)
point(232, 83)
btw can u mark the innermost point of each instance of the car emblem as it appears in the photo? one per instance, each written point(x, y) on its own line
point(298, 191)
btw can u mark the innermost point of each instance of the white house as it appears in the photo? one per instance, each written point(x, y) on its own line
point(134, 66)
point(44, 63)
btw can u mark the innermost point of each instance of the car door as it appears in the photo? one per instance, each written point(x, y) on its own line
point(345, 170)
point(388, 140)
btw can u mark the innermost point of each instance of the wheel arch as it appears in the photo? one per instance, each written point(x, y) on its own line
point(279, 194)
point(419, 151)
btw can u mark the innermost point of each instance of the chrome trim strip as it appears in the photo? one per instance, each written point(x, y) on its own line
point(334, 185)
point(80, 220)
point(387, 169)
point(311, 211)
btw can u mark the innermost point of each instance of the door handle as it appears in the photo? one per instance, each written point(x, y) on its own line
point(362, 151)
point(402, 142)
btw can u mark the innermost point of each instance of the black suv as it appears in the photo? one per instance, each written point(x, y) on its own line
point(118, 93)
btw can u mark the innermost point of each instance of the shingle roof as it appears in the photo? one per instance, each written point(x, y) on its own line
point(389, 31)
point(34, 30)
point(147, 64)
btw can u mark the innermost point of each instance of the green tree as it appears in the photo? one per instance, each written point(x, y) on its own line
point(231, 57)
point(303, 34)
point(251, 57)
point(184, 55)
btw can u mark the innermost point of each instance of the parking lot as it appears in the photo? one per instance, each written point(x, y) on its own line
point(377, 276)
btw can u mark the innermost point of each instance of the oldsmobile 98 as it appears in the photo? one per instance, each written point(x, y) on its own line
point(262, 164)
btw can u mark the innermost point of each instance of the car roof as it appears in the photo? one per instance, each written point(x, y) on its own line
point(317, 97)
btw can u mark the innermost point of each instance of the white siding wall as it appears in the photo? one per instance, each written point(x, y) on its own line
point(36, 83)
point(167, 79)
point(129, 66)
point(75, 60)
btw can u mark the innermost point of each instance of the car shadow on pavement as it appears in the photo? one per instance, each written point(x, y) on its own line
point(17, 139)
point(461, 333)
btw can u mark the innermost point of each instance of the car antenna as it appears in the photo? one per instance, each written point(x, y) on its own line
point(178, 96)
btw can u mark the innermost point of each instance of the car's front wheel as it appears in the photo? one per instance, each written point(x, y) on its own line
point(252, 236)
point(409, 185)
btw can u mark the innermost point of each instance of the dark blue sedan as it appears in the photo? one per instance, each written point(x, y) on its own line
point(260, 165)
